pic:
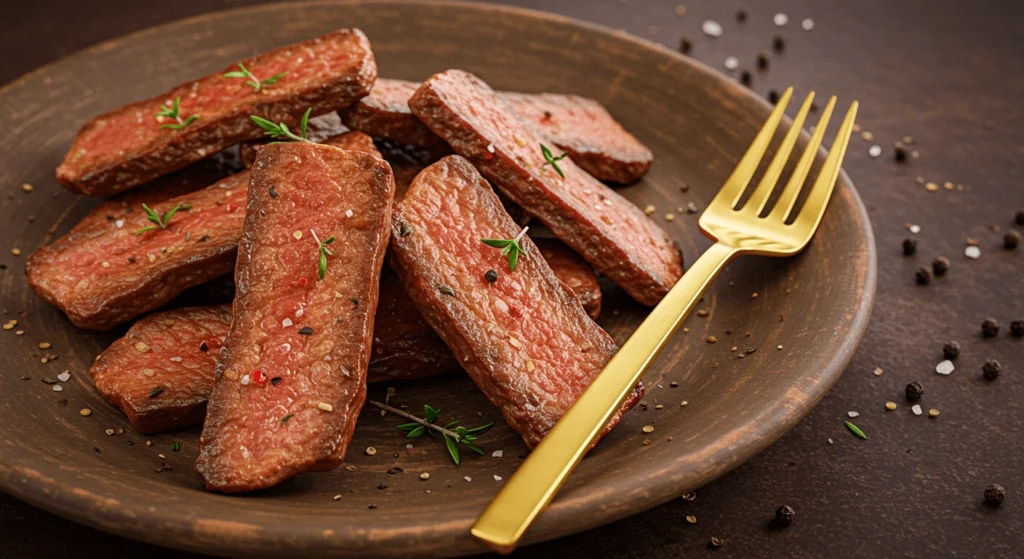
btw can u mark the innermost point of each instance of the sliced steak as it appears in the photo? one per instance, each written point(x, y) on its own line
point(102, 273)
point(577, 125)
point(129, 146)
point(160, 374)
point(524, 339)
point(318, 130)
point(605, 228)
point(291, 378)
point(404, 347)
point(584, 129)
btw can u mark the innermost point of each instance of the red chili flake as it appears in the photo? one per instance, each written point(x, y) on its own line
point(302, 282)
point(488, 155)
point(230, 208)
point(259, 378)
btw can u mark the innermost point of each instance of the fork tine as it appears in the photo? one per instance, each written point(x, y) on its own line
point(784, 206)
point(764, 188)
point(826, 182)
point(734, 186)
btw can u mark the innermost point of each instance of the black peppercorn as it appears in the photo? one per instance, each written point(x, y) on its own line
point(491, 276)
point(990, 328)
point(1017, 328)
point(746, 78)
point(741, 16)
point(382, 486)
point(685, 45)
point(951, 350)
point(1019, 218)
point(779, 44)
point(940, 265)
point(785, 515)
point(909, 247)
point(899, 152)
point(914, 391)
point(991, 369)
point(994, 495)
point(1011, 240)
point(773, 96)
point(762, 61)
point(923, 276)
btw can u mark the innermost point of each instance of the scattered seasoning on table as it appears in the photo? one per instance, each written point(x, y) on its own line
point(175, 446)
point(916, 409)
point(855, 430)
point(991, 369)
point(807, 24)
point(1018, 218)
point(702, 312)
point(923, 275)
point(691, 519)
point(712, 339)
point(914, 391)
point(867, 136)
point(741, 16)
point(945, 367)
point(931, 187)
point(372, 506)
point(933, 413)
point(711, 28)
point(899, 152)
point(994, 495)
point(762, 61)
point(370, 451)
point(951, 350)
point(648, 429)
point(16, 251)
point(778, 43)
point(1011, 240)
point(746, 78)
point(875, 150)
point(909, 247)
point(773, 96)
point(990, 328)
point(784, 515)
point(685, 45)
point(878, 371)
point(732, 63)
point(940, 265)
point(891, 406)
point(680, 10)
point(717, 542)
point(85, 412)
point(1017, 328)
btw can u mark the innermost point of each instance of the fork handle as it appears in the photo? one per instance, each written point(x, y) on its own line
point(538, 478)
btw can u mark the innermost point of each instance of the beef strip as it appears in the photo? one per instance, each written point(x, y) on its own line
point(524, 339)
point(605, 228)
point(102, 273)
point(313, 334)
point(160, 374)
point(404, 347)
point(577, 125)
point(129, 145)
point(318, 130)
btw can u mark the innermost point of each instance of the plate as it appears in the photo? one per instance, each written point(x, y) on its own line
point(785, 328)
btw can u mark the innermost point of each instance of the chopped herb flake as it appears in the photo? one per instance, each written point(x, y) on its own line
point(855, 430)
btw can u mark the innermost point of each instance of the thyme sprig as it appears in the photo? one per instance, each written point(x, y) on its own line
point(453, 433)
point(255, 83)
point(552, 159)
point(160, 222)
point(321, 246)
point(510, 247)
point(174, 111)
point(280, 131)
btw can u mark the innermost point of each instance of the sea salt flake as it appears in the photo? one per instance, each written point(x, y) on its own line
point(286, 322)
point(119, 223)
point(780, 19)
point(349, 213)
point(878, 371)
point(490, 148)
point(915, 228)
point(972, 252)
point(57, 388)
point(875, 151)
point(711, 28)
point(497, 454)
point(732, 63)
point(64, 377)
point(408, 446)
point(945, 367)
point(807, 24)
point(916, 409)
point(245, 380)
point(497, 477)
point(299, 312)
point(853, 414)
point(467, 478)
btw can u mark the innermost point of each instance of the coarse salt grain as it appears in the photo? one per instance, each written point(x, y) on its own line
point(57, 388)
point(286, 322)
point(875, 151)
point(497, 454)
point(299, 312)
point(119, 223)
point(467, 478)
point(245, 380)
point(490, 148)
point(711, 28)
point(325, 406)
point(853, 414)
point(64, 377)
point(807, 24)
point(945, 367)
point(972, 252)
point(732, 63)
point(497, 477)
point(915, 228)
point(175, 359)
point(916, 409)
point(780, 19)
point(349, 213)
point(878, 371)
point(408, 446)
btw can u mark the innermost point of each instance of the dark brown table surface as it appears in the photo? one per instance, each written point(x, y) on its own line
point(948, 73)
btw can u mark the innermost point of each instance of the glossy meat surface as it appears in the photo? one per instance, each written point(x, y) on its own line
point(602, 226)
point(291, 378)
point(524, 339)
point(128, 147)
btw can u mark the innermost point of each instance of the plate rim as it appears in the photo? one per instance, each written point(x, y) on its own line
point(128, 520)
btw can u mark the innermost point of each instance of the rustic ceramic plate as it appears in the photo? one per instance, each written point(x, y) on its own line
point(806, 320)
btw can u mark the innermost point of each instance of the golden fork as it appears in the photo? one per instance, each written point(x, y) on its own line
point(737, 230)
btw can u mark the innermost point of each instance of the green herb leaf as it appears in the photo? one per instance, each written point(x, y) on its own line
point(305, 121)
point(855, 430)
point(236, 74)
point(273, 79)
point(161, 222)
point(551, 159)
point(406, 427)
point(446, 290)
point(453, 450)
point(417, 432)
point(509, 247)
point(481, 429)
point(497, 243)
point(174, 112)
point(255, 83)
point(175, 446)
point(280, 130)
point(474, 448)
point(430, 414)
